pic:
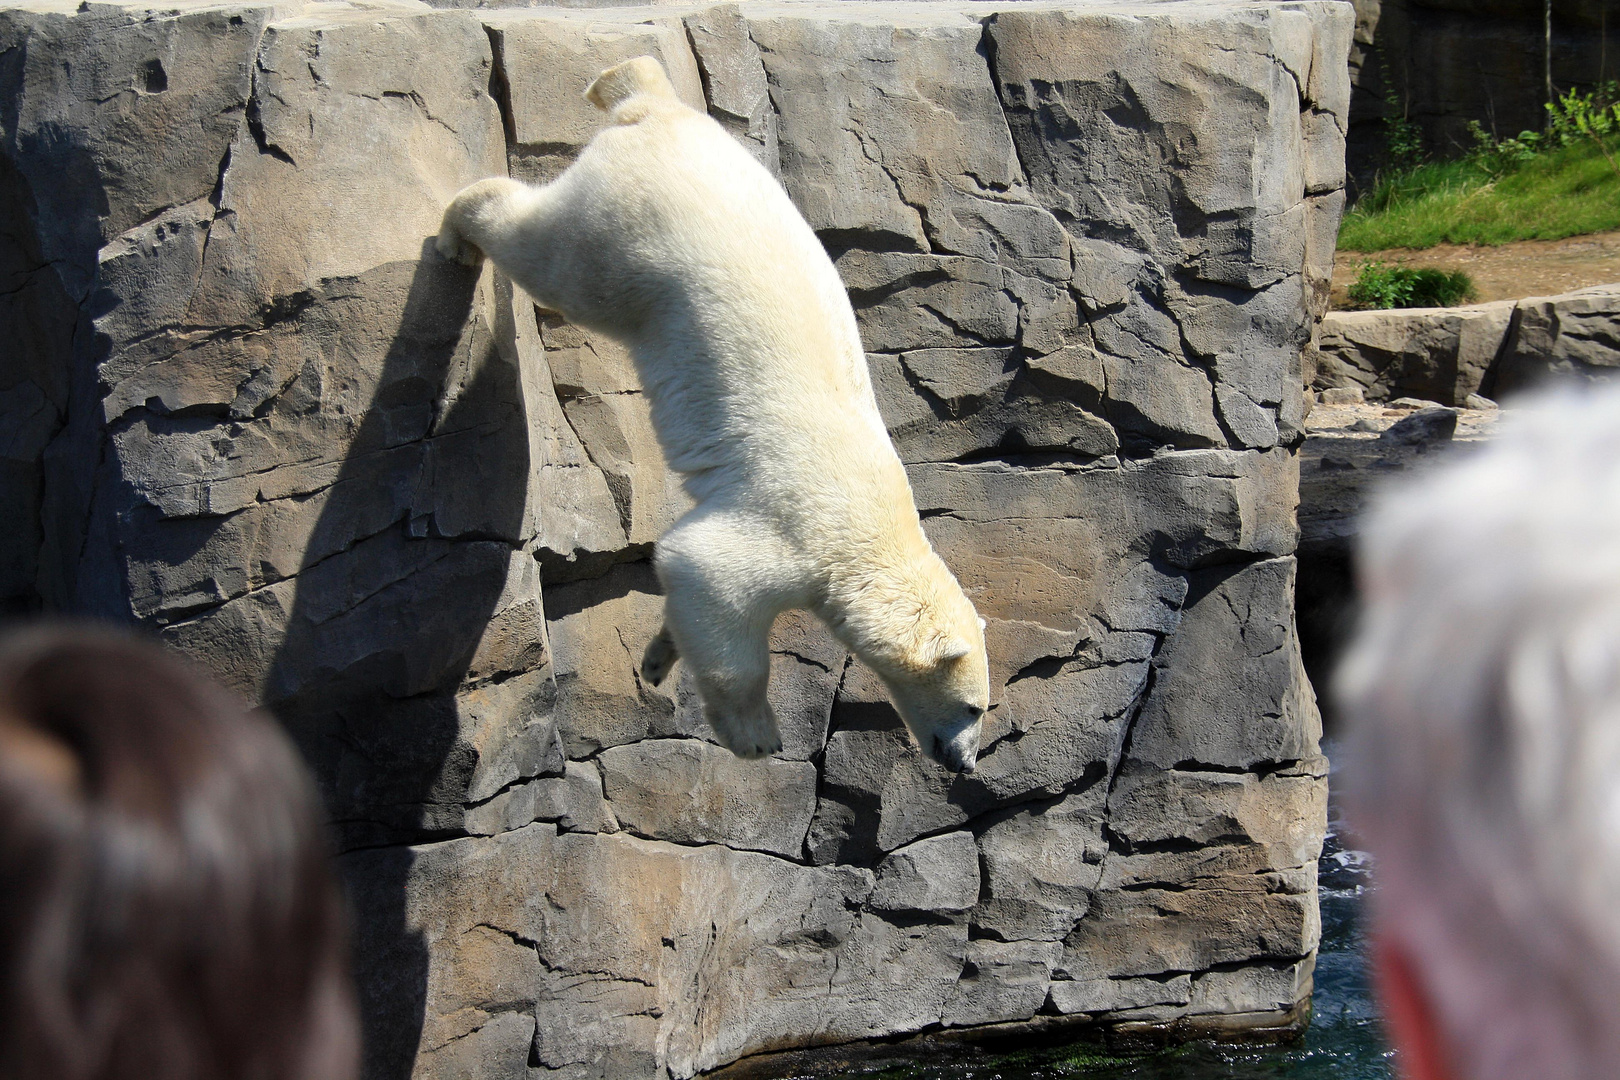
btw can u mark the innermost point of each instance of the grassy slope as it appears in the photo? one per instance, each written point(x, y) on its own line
point(1567, 193)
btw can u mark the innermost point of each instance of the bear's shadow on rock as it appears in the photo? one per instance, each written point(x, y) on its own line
point(385, 625)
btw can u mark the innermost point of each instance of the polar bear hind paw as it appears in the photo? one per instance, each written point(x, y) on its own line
point(660, 656)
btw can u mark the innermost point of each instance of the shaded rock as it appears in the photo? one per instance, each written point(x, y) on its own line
point(734, 80)
point(695, 793)
point(1001, 981)
point(1150, 930)
point(1489, 349)
point(909, 301)
point(1113, 995)
point(865, 149)
point(550, 120)
point(1233, 619)
point(601, 699)
point(1344, 459)
point(1322, 215)
point(940, 873)
point(1257, 988)
point(85, 99)
point(1424, 426)
point(576, 801)
point(1280, 815)
point(1040, 868)
point(1156, 397)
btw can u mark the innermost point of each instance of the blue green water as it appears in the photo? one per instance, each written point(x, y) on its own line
point(1344, 1041)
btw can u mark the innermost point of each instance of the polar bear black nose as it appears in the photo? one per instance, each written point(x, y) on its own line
point(949, 756)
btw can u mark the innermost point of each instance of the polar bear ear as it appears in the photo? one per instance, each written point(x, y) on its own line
point(620, 83)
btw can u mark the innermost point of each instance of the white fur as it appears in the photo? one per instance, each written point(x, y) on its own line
point(668, 236)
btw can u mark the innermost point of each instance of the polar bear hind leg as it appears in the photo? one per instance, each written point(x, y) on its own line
point(725, 578)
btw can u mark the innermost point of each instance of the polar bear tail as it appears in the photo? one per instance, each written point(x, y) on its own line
point(620, 83)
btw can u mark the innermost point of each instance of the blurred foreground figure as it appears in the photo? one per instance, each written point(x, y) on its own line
point(1482, 698)
point(166, 908)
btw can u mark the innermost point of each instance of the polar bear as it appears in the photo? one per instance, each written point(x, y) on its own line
point(668, 236)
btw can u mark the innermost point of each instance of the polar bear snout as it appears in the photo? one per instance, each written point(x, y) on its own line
point(956, 747)
point(954, 756)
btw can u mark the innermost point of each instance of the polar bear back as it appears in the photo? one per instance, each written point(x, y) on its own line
point(681, 245)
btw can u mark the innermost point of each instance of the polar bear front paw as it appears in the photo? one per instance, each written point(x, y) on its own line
point(453, 246)
point(750, 749)
point(747, 736)
point(660, 656)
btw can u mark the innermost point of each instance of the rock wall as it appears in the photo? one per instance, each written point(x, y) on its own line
point(1452, 61)
point(385, 496)
point(1497, 349)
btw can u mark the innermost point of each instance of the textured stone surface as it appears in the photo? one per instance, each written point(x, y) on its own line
point(1498, 349)
point(1574, 337)
point(1440, 354)
point(388, 498)
point(696, 793)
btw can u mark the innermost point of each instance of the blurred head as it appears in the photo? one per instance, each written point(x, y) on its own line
point(1482, 702)
point(166, 907)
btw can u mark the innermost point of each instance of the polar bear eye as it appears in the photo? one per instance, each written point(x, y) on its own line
point(975, 712)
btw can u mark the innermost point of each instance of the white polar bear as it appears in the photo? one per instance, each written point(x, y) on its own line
point(667, 235)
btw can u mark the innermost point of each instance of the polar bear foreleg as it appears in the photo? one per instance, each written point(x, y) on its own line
point(660, 656)
point(718, 611)
point(728, 653)
point(479, 214)
point(732, 683)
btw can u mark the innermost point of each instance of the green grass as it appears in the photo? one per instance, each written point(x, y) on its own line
point(1565, 192)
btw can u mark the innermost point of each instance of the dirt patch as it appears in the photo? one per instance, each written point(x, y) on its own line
point(1504, 272)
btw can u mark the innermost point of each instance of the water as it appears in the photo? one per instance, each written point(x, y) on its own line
point(1344, 1042)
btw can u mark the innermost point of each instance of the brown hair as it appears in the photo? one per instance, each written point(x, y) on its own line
point(167, 910)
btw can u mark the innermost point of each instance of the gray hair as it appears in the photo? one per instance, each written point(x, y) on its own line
point(1481, 698)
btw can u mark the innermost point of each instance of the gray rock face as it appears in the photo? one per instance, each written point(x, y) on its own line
point(1496, 349)
point(1574, 338)
point(389, 499)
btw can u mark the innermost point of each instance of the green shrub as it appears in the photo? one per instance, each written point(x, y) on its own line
point(1380, 285)
point(1592, 118)
point(1498, 157)
point(1403, 139)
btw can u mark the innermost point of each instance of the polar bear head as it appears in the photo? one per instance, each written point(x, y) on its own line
point(931, 658)
point(621, 82)
point(943, 703)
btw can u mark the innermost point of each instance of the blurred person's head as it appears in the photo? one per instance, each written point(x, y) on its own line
point(1482, 702)
point(167, 911)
